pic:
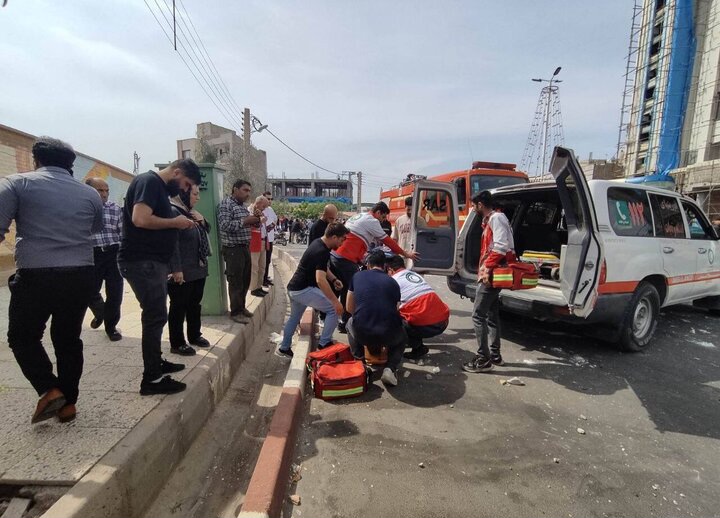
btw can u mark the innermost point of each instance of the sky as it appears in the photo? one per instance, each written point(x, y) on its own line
point(384, 87)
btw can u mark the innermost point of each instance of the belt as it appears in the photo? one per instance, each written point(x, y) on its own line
point(236, 246)
point(108, 248)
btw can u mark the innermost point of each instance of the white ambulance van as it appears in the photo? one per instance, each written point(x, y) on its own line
point(610, 253)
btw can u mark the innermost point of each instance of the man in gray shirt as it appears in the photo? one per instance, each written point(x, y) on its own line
point(55, 216)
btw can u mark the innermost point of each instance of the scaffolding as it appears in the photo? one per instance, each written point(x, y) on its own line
point(546, 132)
point(630, 70)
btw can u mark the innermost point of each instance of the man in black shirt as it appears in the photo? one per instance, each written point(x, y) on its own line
point(150, 231)
point(317, 229)
point(310, 286)
point(373, 298)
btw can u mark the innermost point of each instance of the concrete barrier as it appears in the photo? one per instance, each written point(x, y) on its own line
point(268, 485)
point(125, 481)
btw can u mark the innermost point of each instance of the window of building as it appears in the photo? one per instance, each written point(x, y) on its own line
point(629, 212)
point(668, 218)
point(698, 224)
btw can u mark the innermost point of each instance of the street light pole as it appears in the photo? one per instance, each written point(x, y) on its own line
point(546, 122)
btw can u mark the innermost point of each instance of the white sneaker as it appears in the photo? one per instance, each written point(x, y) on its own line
point(388, 377)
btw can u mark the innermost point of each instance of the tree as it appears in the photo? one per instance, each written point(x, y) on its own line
point(204, 153)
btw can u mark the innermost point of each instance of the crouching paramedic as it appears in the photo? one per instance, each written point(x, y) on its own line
point(311, 284)
point(424, 314)
point(373, 300)
point(364, 230)
point(496, 247)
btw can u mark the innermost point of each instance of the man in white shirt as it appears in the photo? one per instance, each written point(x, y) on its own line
point(270, 225)
point(401, 230)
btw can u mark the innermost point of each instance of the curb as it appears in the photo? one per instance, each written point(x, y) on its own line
point(129, 476)
point(266, 492)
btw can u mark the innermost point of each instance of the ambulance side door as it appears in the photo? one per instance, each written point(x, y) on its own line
point(434, 227)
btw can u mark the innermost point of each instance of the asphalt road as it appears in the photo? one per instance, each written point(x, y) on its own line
point(454, 444)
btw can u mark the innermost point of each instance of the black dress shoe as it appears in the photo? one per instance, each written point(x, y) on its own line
point(96, 322)
point(167, 385)
point(200, 342)
point(258, 292)
point(114, 335)
point(169, 367)
point(183, 350)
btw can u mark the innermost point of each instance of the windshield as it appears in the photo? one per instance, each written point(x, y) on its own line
point(485, 182)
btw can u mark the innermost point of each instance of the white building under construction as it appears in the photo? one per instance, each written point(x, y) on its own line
point(671, 108)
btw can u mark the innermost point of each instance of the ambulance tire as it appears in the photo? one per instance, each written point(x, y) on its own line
point(640, 319)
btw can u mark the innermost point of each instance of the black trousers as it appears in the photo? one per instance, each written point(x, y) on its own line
point(185, 306)
point(237, 270)
point(395, 342)
point(344, 270)
point(149, 281)
point(106, 270)
point(268, 258)
point(417, 333)
point(60, 294)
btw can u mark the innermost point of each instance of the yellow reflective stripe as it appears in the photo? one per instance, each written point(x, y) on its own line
point(529, 281)
point(345, 392)
point(502, 277)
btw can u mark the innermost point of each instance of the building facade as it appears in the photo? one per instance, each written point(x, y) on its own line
point(674, 123)
point(225, 147)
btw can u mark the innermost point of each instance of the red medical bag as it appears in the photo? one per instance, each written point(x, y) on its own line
point(515, 276)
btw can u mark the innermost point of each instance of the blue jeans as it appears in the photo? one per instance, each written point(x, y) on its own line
point(299, 301)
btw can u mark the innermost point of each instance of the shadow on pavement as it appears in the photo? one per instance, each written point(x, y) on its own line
point(675, 378)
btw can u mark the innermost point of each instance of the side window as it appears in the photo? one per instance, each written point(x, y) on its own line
point(629, 212)
point(668, 219)
point(435, 208)
point(461, 187)
point(699, 227)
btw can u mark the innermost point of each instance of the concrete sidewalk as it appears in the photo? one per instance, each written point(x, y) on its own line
point(110, 406)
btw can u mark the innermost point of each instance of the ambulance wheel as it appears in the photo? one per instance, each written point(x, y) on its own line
point(640, 319)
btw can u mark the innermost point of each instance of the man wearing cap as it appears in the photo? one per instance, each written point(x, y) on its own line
point(55, 278)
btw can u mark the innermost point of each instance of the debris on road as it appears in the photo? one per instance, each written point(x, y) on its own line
point(295, 499)
point(656, 487)
point(421, 465)
point(583, 417)
point(428, 376)
point(556, 460)
point(581, 431)
point(295, 475)
point(435, 370)
point(513, 381)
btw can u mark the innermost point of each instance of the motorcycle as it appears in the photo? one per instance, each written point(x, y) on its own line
point(281, 238)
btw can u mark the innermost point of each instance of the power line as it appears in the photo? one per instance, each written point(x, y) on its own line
point(229, 114)
point(298, 154)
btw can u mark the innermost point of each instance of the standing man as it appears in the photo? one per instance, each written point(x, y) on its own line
point(107, 244)
point(150, 233)
point(364, 230)
point(496, 247)
point(271, 222)
point(312, 285)
point(424, 313)
point(235, 222)
point(401, 230)
point(55, 216)
point(373, 300)
point(329, 215)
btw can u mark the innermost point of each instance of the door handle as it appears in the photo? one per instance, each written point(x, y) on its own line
point(589, 265)
point(702, 250)
point(668, 250)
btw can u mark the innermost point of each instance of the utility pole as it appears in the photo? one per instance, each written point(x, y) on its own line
point(359, 177)
point(246, 141)
point(136, 163)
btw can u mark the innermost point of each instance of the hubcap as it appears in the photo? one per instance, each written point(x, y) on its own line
point(642, 319)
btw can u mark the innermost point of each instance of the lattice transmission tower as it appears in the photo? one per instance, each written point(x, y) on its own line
point(546, 130)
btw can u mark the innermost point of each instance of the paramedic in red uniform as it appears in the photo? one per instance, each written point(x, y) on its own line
point(364, 230)
point(495, 247)
point(424, 313)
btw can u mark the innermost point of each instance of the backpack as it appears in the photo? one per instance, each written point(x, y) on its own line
point(336, 374)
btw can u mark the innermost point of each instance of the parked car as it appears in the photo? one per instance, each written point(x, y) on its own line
point(615, 252)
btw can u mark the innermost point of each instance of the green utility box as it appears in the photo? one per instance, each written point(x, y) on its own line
point(215, 299)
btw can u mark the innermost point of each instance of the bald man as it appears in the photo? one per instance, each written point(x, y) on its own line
point(329, 215)
point(107, 243)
